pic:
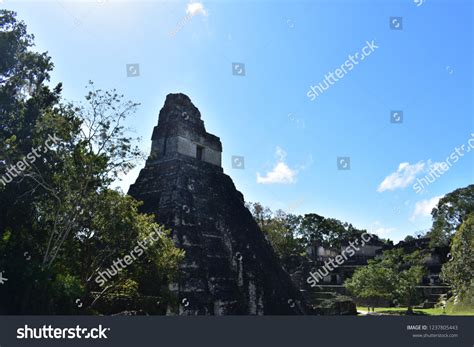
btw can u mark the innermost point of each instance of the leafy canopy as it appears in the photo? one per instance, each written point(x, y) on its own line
point(60, 222)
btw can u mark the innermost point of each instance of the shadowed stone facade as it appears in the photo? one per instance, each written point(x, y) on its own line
point(229, 268)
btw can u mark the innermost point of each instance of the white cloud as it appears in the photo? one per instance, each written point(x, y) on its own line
point(402, 178)
point(281, 173)
point(195, 8)
point(406, 174)
point(423, 208)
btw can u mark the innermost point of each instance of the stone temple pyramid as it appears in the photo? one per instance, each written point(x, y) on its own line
point(229, 268)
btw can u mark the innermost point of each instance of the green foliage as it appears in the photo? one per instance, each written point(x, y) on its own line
point(393, 277)
point(329, 232)
point(451, 212)
point(372, 283)
point(280, 229)
point(459, 271)
point(290, 235)
point(129, 288)
point(21, 70)
point(60, 223)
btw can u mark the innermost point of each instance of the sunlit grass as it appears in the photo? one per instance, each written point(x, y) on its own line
point(451, 310)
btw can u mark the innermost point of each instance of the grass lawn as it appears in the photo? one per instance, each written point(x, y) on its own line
point(450, 311)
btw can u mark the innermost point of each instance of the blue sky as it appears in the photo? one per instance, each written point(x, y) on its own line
point(290, 143)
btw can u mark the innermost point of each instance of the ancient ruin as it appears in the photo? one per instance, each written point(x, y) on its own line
point(229, 268)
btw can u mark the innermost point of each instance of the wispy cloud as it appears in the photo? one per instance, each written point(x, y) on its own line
point(405, 175)
point(402, 178)
point(195, 8)
point(423, 208)
point(192, 9)
point(281, 172)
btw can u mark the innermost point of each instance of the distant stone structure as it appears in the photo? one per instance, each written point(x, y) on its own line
point(229, 268)
point(431, 288)
point(319, 255)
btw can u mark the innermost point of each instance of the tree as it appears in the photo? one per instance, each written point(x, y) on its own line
point(459, 270)
point(329, 232)
point(281, 234)
point(291, 235)
point(60, 222)
point(262, 215)
point(312, 228)
point(373, 284)
point(280, 230)
point(451, 211)
point(393, 277)
point(407, 281)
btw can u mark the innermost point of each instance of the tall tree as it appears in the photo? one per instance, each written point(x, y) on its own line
point(459, 270)
point(451, 211)
point(60, 223)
